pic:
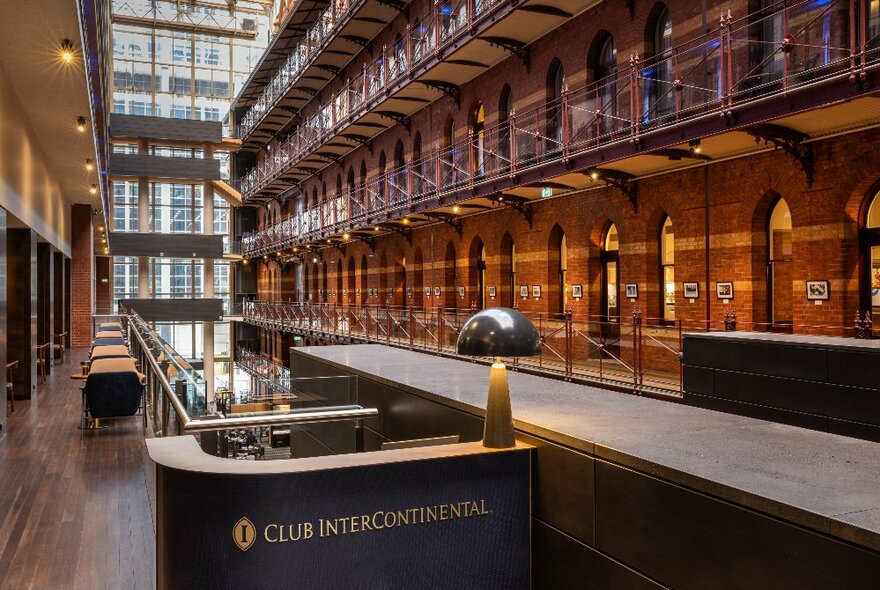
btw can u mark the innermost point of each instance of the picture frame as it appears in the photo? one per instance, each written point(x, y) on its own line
point(436, 291)
point(691, 290)
point(409, 291)
point(524, 291)
point(724, 290)
point(818, 290)
point(492, 292)
point(461, 292)
point(427, 291)
point(577, 291)
point(631, 290)
point(536, 291)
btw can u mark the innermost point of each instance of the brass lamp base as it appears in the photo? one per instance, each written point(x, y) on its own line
point(498, 431)
point(95, 424)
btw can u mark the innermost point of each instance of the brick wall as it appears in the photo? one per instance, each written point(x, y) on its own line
point(82, 275)
point(740, 193)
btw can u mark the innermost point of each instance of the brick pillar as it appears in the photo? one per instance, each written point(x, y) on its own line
point(82, 275)
point(45, 297)
point(21, 310)
point(59, 296)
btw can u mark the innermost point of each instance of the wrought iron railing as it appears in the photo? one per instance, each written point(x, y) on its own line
point(637, 354)
point(710, 76)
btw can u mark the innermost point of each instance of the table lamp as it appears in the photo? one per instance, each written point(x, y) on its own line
point(499, 331)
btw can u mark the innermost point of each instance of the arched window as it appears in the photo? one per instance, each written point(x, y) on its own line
point(448, 153)
point(610, 259)
point(667, 269)
point(660, 74)
point(555, 86)
point(363, 186)
point(478, 133)
point(870, 240)
point(779, 266)
point(505, 106)
point(418, 166)
point(606, 78)
point(397, 178)
point(508, 293)
point(381, 181)
point(476, 287)
point(557, 261)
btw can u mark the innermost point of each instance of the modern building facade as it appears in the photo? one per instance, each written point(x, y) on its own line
point(455, 294)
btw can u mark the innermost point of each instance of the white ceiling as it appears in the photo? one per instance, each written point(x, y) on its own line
point(52, 93)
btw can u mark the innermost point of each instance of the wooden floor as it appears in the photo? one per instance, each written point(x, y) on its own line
point(73, 514)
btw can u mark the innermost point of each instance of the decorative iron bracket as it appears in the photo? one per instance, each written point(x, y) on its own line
point(357, 40)
point(514, 47)
point(398, 118)
point(360, 140)
point(332, 70)
point(339, 246)
point(518, 204)
point(789, 140)
point(400, 7)
point(624, 182)
point(406, 232)
point(446, 88)
point(450, 220)
point(330, 157)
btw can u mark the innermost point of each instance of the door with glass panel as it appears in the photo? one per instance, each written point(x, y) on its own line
point(610, 293)
point(779, 270)
point(870, 255)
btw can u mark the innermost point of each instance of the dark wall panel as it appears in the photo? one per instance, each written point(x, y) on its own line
point(58, 295)
point(164, 128)
point(134, 165)
point(559, 562)
point(176, 310)
point(3, 332)
point(45, 297)
point(684, 539)
point(21, 310)
point(166, 245)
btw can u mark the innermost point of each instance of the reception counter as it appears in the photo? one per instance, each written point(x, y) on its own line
point(447, 516)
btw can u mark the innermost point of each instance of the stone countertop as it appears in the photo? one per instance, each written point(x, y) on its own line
point(822, 481)
point(792, 339)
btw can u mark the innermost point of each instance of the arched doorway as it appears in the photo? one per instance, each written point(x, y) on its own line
point(418, 281)
point(476, 274)
point(449, 277)
point(507, 294)
point(401, 296)
point(667, 270)
point(610, 260)
point(364, 299)
point(779, 274)
point(384, 283)
point(869, 238)
point(557, 267)
point(324, 282)
point(555, 87)
point(505, 105)
point(351, 283)
point(339, 282)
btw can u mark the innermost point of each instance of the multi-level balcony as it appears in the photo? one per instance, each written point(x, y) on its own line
point(447, 47)
point(708, 98)
point(332, 40)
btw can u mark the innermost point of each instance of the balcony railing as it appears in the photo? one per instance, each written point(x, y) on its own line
point(312, 44)
point(712, 75)
point(640, 354)
point(437, 29)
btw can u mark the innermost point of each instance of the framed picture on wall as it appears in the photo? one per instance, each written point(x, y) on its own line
point(492, 292)
point(461, 292)
point(436, 291)
point(409, 291)
point(632, 291)
point(524, 291)
point(818, 290)
point(724, 290)
point(427, 291)
point(577, 291)
point(691, 290)
point(536, 291)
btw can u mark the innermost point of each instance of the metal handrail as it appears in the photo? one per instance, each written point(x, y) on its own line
point(190, 425)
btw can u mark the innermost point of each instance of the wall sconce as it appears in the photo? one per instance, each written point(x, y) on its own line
point(499, 331)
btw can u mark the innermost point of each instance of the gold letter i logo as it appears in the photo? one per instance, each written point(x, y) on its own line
point(244, 533)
